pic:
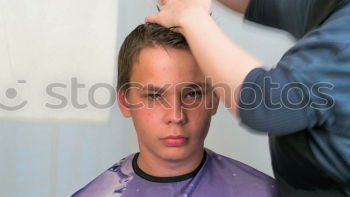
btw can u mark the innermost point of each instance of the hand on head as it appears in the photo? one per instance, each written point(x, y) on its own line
point(173, 13)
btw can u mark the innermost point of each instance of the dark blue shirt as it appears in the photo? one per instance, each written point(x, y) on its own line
point(304, 102)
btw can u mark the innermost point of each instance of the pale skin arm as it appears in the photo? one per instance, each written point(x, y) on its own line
point(218, 57)
point(236, 5)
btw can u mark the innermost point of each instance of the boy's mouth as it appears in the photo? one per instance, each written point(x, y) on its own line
point(174, 141)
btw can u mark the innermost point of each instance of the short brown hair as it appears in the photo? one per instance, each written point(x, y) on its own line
point(144, 36)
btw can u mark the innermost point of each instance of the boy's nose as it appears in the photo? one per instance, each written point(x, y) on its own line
point(175, 113)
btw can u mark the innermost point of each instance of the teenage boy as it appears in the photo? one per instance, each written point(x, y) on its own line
point(162, 89)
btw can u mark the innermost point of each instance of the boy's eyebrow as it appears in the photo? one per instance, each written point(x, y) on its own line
point(155, 88)
point(197, 85)
point(193, 85)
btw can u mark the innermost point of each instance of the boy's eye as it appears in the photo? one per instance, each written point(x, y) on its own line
point(194, 94)
point(153, 96)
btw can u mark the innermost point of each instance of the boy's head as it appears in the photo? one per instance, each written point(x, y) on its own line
point(162, 89)
point(144, 36)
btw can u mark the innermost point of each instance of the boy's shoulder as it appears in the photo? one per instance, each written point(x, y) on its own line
point(112, 181)
point(235, 173)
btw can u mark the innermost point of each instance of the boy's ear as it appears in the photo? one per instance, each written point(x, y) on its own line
point(216, 102)
point(123, 103)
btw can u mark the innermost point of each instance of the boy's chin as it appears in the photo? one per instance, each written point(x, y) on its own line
point(177, 154)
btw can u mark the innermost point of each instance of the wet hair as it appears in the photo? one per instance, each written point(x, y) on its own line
point(144, 36)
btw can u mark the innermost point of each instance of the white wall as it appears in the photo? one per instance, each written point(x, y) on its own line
point(48, 43)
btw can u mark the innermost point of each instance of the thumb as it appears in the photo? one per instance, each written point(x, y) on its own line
point(152, 18)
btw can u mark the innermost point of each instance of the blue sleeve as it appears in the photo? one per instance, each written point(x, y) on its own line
point(268, 105)
point(294, 16)
point(309, 86)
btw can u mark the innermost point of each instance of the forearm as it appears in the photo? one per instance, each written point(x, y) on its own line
point(236, 5)
point(218, 57)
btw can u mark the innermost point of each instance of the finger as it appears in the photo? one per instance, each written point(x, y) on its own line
point(152, 18)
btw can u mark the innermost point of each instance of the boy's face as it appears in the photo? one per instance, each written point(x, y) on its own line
point(169, 103)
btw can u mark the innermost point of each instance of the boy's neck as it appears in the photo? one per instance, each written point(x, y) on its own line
point(157, 167)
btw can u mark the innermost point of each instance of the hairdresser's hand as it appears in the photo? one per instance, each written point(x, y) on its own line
point(179, 13)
